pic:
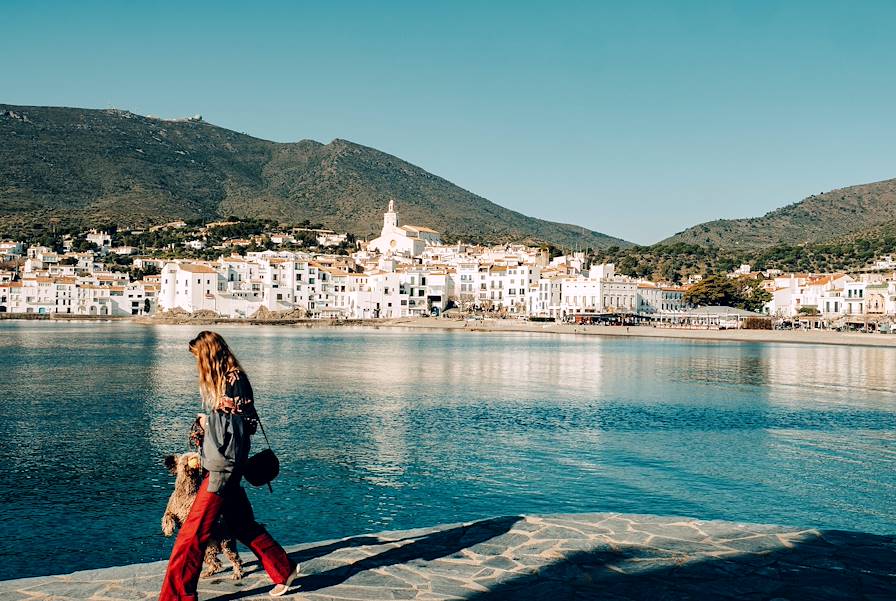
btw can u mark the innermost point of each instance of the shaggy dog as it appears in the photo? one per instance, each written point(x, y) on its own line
point(189, 477)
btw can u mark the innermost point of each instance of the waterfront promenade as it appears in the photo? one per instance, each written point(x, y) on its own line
point(579, 556)
point(504, 325)
point(739, 335)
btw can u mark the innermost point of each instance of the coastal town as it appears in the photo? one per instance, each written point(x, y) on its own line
point(405, 272)
point(448, 301)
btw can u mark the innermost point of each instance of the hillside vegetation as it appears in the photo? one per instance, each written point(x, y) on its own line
point(93, 167)
point(674, 262)
point(855, 210)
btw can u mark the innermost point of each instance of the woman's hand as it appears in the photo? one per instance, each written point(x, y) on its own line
point(227, 405)
point(197, 430)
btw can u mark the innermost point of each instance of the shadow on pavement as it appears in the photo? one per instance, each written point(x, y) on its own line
point(426, 547)
point(834, 566)
point(315, 552)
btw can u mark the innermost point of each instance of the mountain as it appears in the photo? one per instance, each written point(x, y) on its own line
point(90, 167)
point(819, 218)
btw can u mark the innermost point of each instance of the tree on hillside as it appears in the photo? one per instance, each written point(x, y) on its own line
point(715, 290)
point(753, 295)
point(84, 245)
point(139, 274)
point(719, 290)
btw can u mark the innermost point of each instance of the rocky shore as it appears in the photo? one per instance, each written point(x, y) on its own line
point(578, 556)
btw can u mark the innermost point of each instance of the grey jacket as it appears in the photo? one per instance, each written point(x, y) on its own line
point(227, 440)
point(225, 448)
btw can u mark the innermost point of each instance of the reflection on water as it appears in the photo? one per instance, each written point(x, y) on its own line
point(382, 429)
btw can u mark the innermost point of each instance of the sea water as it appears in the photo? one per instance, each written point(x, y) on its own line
point(381, 429)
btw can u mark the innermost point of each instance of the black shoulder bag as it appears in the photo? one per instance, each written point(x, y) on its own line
point(262, 467)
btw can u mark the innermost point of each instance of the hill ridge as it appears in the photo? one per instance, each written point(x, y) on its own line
point(817, 218)
point(93, 166)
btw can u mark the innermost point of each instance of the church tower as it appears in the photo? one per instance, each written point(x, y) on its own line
point(390, 217)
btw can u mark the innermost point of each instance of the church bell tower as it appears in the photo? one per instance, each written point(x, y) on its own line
point(390, 217)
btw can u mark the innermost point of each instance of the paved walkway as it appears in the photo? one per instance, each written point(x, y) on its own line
point(582, 556)
point(514, 325)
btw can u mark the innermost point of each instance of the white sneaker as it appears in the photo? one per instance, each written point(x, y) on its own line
point(281, 589)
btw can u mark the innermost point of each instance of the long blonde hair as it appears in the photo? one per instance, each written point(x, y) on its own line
point(215, 360)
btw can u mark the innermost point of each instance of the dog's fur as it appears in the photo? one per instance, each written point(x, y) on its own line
point(185, 488)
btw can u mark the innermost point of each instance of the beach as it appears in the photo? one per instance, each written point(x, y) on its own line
point(514, 325)
point(510, 325)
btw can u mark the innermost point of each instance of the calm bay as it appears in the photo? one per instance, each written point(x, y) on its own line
point(383, 429)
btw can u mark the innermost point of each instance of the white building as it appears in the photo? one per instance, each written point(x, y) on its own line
point(382, 297)
point(580, 295)
point(545, 294)
point(803, 294)
point(410, 240)
point(331, 239)
point(885, 262)
point(101, 239)
point(854, 298)
point(74, 296)
point(428, 290)
point(188, 286)
point(11, 249)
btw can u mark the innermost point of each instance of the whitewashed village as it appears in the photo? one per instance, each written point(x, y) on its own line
point(409, 272)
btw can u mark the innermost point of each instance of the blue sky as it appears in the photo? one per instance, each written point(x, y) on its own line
point(636, 119)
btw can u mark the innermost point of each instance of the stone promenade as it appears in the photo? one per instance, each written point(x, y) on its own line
point(582, 556)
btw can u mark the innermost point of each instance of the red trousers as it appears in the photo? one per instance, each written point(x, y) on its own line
point(182, 574)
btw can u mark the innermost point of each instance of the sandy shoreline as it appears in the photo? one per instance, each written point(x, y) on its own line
point(781, 336)
point(513, 325)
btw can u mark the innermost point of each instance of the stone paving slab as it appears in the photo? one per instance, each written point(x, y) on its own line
point(577, 557)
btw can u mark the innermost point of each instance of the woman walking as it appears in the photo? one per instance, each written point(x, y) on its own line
point(224, 439)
